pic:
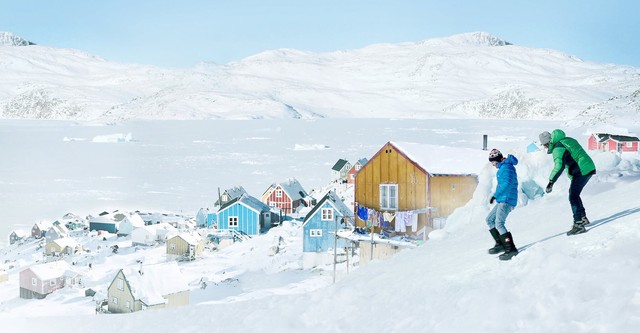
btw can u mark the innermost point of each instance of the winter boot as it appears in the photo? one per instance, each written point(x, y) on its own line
point(510, 249)
point(499, 247)
point(578, 228)
point(584, 220)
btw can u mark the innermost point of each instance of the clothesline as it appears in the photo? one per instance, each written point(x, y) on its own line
point(403, 219)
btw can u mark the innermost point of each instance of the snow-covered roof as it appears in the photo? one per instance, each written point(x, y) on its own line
point(293, 188)
point(192, 239)
point(443, 160)
point(50, 270)
point(155, 281)
point(335, 201)
point(249, 201)
point(65, 241)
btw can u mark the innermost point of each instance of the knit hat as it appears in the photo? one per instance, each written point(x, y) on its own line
point(545, 138)
point(495, 155)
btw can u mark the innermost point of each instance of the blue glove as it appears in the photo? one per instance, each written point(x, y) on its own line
point(549, 187)
point(492, 200)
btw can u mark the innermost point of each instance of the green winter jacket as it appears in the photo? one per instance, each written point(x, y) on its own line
point(568, 153)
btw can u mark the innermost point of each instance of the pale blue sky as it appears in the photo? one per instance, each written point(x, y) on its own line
point(183, 33)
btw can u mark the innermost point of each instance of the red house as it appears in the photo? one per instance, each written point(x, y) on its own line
point(612, 142)
point(351, 175)
point(287, 196)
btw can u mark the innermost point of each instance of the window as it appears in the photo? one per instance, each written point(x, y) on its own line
point(327, 214)
point(315, 232)
point(629, 144)
point(128, 305)
point(52, 282)
point(233, 221)
point(278, 193)
point(389, 196)
point(34, 281)
point(172, 246)
point(358, 167)
point(121, 284)
point(114, 300)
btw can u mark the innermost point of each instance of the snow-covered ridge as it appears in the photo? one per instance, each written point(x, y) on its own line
point(9, 39)
point(473, 75)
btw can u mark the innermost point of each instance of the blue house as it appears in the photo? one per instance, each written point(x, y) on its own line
point(319, 229)
point(245, 214)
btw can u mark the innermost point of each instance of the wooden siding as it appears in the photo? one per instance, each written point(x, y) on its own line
point(451, 192)
point(327, 240)
point(389, 166)
point(182, 246)
point(125, 295)
point(41, 289)
point(248, 219)
point(417, 189)
point(284, 202)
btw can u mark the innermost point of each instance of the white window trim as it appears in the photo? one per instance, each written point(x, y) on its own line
point(384, 194)
point(120, 284)
point(114, 300)
point(326, 214)
point(278, 193)
point(172, 246)
point(233, 221)
point(34, 281)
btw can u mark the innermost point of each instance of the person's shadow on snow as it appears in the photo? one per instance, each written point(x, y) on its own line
point(592, 225)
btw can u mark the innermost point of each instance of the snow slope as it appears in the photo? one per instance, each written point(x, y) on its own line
point(584, 283)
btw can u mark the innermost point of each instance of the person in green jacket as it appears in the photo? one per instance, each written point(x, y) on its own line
point(568, 154)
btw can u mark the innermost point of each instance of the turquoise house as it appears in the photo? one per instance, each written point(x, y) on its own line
point(246, 214)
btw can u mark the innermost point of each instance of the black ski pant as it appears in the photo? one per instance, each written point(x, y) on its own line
point(577, 184)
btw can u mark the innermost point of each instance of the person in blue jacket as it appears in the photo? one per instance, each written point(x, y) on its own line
point(506, 198)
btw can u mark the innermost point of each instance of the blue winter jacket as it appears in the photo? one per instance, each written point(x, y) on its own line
point(507, 189)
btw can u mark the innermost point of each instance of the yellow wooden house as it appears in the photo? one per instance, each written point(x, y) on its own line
point(430, 180)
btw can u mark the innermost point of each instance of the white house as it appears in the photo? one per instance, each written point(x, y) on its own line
point(152, 234)
point(128, 222)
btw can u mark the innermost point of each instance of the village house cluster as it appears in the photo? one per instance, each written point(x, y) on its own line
point(397, 196)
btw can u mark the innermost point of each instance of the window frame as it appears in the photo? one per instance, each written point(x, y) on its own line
point(314, 233)
point(328, 216)
point(120, 284)
point(232, 221)
point(386, 198)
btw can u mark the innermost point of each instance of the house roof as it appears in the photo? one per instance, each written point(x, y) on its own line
point(337, 204)
point(339, 165)
point(294, 189)
point(249, 201)
point(51, 270)
point(192, 239)
point(602, 137)
point(155, 281)
point(233, 193)
point(441, 160)
point(362, 161)
point(66, 241)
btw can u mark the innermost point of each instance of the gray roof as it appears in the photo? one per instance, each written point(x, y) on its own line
point(335, 201)
point(293, 189)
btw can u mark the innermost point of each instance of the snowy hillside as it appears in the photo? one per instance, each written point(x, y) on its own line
point(584, 283)
point(470, 75)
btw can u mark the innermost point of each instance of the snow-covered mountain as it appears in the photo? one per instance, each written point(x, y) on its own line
point(474, 75)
